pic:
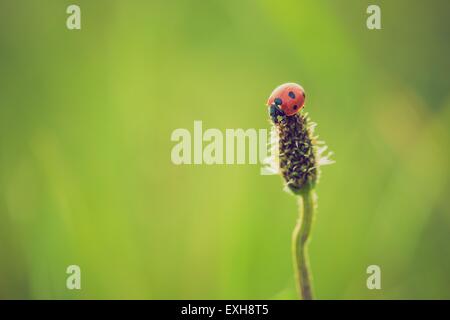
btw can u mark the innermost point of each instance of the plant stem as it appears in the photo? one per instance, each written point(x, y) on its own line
point(300, 236)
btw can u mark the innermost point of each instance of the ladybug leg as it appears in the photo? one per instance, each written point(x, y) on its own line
point(276, 113)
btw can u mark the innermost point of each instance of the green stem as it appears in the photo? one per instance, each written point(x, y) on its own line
point(306, 203)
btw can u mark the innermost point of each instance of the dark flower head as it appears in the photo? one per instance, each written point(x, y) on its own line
point(298, 155)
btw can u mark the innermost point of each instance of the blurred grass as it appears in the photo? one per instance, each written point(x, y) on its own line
point(85, 171)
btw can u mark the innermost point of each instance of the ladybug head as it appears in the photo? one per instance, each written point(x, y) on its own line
point(289, 98)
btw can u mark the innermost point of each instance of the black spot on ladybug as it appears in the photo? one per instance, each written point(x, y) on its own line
point(291, 94)
point(295, 107)
point(278, 101)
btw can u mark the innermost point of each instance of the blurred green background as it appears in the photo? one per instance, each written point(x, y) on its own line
point(85, 170)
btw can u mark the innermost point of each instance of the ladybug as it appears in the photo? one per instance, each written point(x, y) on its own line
point(289, 98)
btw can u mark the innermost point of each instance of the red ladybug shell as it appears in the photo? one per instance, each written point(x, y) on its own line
point(290, 97)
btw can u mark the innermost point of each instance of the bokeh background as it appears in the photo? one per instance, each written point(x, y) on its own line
point(85, 170)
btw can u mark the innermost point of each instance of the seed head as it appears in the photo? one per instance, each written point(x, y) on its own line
point(296, 152)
